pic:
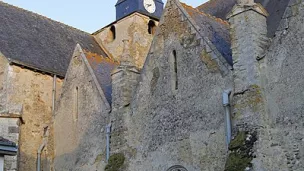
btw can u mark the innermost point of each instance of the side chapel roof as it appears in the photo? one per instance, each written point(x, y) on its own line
point(38, 42)
point(102, 67)
point(275, 8)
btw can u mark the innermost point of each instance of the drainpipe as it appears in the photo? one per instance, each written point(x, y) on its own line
point(226, 104)
point(54, 94)
point(108, 129)
point(39, 155)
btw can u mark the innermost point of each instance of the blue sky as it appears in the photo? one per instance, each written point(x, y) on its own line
point(88, 15)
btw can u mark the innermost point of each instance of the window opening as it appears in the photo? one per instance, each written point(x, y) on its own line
point(75, 116)
point(151, 27)
point(113, 33)
point(175, 70)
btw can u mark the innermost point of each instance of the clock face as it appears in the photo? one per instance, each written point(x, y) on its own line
point(150, 6)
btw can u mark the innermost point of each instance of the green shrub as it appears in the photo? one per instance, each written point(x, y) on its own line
point(115, 162)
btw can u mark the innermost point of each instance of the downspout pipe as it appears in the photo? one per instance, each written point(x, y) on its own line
point(108, 133)
point(39, 155)
point(226, 104)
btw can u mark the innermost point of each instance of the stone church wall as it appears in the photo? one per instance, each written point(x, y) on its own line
point(30, 94)
point(80, 121)
point(3, 76)
point(135, 29)
point(9, 128)
point(282, 141)
point(178, 117)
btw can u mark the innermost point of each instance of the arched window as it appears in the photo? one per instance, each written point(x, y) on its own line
point(177, 168)
point(75, 112)
point(173, 68)
point(151, 27)
point(112, 33)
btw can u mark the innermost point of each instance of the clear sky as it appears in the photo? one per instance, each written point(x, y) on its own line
point(87, 15)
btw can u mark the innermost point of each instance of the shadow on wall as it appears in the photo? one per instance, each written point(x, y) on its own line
point(90, 152)
point(223, 46)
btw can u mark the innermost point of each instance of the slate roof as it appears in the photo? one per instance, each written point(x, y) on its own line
point(217, 30)
point(120, 1)
point(275, 8)
point(6, 142)
point(102, 67)
point(217, 8)
point(38, 42)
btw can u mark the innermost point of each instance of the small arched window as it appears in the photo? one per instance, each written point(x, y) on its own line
point(177, 168)
point(173, 69)
point(75, 112)
point(151, 27)
point(112, 33)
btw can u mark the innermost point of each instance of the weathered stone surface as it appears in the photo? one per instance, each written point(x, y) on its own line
point(177, 126)
point(133, 28)
point(172, 116)
point(10, 162)
point(81, 117)
point(282, 81)
point(29, 93)
point(3, 79)
point(248, 30)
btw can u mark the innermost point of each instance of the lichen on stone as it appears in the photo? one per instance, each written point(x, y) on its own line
point(98, 158)
point(209, 62)
point(116, 162)
point(241, 152)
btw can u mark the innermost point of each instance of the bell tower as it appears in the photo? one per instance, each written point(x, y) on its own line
point(136, 21)
point(151, 8)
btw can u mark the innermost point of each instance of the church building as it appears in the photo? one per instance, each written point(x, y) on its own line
point(165, 87)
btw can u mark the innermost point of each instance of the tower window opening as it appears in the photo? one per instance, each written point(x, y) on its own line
point(151, 27)
point(112, 33)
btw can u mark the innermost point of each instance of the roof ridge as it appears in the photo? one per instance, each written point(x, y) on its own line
point(42, 16)
point(219, 20)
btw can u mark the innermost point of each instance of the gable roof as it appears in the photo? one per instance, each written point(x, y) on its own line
point(102, 67)
point(216, 29)
point(38, 42)
point(275, 8)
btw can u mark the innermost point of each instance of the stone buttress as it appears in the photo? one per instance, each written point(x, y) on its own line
point(124, 81)
point(248, 31)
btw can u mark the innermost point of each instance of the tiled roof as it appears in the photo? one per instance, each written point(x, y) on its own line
point(217, 8)
point(6, 142)
point(216, 29)
point(102, 67)
point(275, 8)
point(38, 42)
